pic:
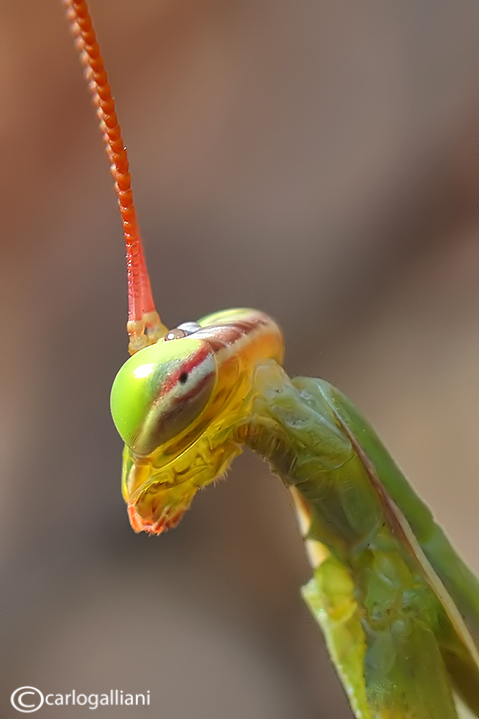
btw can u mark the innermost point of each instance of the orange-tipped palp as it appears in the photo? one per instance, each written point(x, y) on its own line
point(144, 324)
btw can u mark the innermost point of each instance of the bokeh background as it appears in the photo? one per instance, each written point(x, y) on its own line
point(315, 159)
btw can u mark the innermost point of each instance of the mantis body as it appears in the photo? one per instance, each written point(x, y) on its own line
point(398, 607)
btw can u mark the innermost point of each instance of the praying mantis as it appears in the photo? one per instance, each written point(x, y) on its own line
point(398, 607)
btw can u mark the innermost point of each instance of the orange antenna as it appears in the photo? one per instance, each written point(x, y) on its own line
point(144, 324)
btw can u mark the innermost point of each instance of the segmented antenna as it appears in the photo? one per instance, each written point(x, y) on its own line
point(144, 325)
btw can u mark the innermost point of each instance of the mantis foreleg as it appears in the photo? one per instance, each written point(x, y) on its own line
point(387, 632)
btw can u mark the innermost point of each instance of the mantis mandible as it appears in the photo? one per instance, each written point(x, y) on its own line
point(398, 607)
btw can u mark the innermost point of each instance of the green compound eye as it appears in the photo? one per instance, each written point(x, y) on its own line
point(161, 391)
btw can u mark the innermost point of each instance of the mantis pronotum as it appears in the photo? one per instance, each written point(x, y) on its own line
point(398, 607)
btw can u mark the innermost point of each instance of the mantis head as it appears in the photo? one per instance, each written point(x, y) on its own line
point(176, 405)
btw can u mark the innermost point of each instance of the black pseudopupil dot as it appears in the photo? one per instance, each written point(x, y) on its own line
point(183, 377)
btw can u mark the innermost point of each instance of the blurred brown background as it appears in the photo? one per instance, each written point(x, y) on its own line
point(315, 159)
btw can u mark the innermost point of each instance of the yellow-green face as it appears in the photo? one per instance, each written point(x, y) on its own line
point(174, 405)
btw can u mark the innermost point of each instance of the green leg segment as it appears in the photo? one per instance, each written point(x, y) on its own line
point(395, 673)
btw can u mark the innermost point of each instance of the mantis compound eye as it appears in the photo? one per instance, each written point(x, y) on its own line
point(162, 391)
